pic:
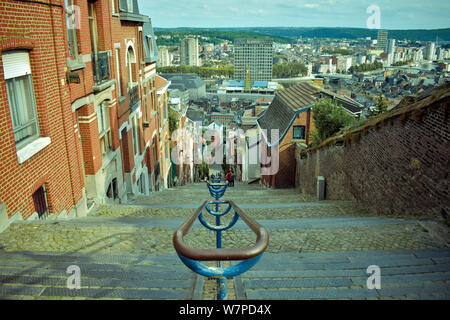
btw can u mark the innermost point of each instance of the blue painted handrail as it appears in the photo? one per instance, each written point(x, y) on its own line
point(217, 191)
point(215, 180)
point(248, 257)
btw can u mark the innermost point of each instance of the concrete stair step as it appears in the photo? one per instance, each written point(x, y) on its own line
point(44, 274)
point(405, 274)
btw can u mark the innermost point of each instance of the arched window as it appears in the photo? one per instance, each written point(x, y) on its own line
point(131, 58)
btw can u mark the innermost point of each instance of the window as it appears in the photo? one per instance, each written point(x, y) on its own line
point(164, 107)
point(93, 27)
point(104, 128)
point(130, 5)
point(131, 58)
point(154, 151)
point(40, 202)
point(19, 87)
point(299, 132)
point(149, 41)
point(72, 22)
point(119, 80)
point(136, 136)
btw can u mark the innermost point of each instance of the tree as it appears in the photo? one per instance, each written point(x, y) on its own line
point(203, 170)
point(381, 106)
point(173, 120)
point(329, 118)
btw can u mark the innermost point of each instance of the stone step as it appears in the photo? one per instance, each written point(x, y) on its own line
point(405, 274)
point(174, 223)
point(44, 274)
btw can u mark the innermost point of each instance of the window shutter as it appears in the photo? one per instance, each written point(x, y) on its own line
point(16, 64)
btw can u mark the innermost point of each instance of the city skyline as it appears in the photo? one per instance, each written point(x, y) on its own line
point(400, 14)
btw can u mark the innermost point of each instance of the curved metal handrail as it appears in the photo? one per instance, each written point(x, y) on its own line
point(217, 213)
point(215, 180)
point(217, 190)
point(221, 254)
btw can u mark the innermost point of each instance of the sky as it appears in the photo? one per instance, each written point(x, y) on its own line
point(393, 14)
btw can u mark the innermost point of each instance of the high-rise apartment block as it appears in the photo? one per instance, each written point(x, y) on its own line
point(430, 51)
point(382, 40)
point(189, 52)
point(253, 56)
point(391, 46)
point(166, 57)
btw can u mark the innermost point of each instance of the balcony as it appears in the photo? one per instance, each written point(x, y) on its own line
point(133, 94)
point(101, 71)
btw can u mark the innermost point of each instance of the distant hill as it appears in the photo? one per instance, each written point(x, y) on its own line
point(215, 36)
point(283, 34)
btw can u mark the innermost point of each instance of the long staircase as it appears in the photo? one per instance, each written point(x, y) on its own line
point(317, 250)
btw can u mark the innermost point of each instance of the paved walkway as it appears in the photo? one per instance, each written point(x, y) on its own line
point(316, 250)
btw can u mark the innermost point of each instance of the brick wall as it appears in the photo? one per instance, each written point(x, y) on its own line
point(37, 28)
point(399, 164)
point(285, 176)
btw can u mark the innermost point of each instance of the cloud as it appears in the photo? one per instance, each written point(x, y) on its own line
point(295, 13)
point(311, 5)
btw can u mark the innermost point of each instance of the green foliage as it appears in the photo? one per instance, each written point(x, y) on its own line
point(203, 170)
point(203, 72)
point(329, 119)
point(173, 120)
point(381, 107)
point(315, 138)
point(366, 67)
point(284, 33)
point(289, 70)
point(215, 36)
point(401, 63)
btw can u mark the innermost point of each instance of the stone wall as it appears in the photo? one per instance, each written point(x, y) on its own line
point(396, 164)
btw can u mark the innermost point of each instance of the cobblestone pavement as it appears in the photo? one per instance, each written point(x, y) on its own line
point(144, 228)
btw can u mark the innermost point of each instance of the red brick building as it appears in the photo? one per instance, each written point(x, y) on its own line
point(78, 118)
point(135, 55)
point(162, 86)
point(290, 113)
point(40, 158)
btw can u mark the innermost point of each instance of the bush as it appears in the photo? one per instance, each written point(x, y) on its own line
point(329, 119)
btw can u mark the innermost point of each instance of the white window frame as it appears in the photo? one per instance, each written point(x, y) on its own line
point(20, 92)
point(71, 32)
point(104, 128)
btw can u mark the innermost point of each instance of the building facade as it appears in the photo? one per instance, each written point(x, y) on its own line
point(79, 117)
point(40, 155)
point(382, 40)
point(189, 52)
point(162, 86)
point(253, 60)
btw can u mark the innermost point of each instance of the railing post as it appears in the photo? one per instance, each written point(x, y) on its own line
point(192, 257)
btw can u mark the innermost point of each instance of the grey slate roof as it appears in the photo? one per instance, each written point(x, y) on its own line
point(149, 34)
point(284, 107)
point(184, 81)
